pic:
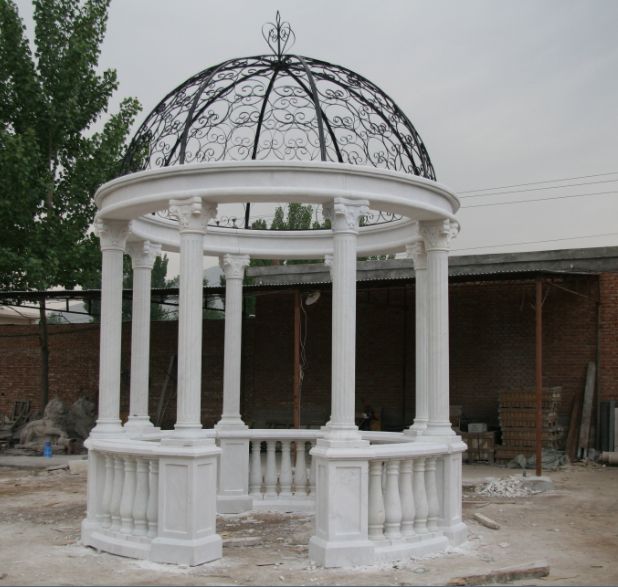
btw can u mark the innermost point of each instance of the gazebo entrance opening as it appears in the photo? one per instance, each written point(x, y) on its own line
point(252, 132)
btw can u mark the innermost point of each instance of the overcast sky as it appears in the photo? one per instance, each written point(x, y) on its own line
point(502, 92)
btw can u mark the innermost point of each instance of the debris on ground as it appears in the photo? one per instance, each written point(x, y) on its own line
point(513, 486)
point(505, 575)
point(551, 460)
point(486, 521)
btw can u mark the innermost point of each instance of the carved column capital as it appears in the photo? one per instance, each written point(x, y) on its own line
point(192, 214)
point(437, 234)
point(143, 254)
point(234, 265)
point(328, 261)
point(112, 233)
point(344, 214)
point(417, 252)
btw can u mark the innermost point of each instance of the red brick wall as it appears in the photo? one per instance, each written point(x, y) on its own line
point(492, 347)
point(608, 285)
point(493, 342)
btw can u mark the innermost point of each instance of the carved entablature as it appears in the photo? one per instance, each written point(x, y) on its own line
point(344, 214)
point(143, 254)
point(437, 234)
point(416, 251)
point(234, 265)
point(112, 233)
point(192, 214)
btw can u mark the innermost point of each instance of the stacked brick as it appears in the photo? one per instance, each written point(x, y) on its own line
point(517, 416)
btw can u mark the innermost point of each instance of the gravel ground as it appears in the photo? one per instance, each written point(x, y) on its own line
point(574, 528)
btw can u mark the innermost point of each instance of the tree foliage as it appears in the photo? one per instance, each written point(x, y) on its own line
point(51, 157)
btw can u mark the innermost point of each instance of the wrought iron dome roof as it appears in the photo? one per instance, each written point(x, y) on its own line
point(279, 106)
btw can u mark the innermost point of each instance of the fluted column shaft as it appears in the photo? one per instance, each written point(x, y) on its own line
point(234, 268)
point(436, 235)
point(419, 255)
point(192, 217)
point(112, 235)
point(344, 215)
point(143, 255)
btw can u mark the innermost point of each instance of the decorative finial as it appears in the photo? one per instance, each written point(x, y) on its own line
point(279, 35)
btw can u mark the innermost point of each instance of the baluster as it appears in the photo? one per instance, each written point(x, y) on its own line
point(420, 497)
point(376, 502)
point(105, 516)
point(116, 492)
point(285, 478)
point(312, 472)
point(433, 504)
point(140, 505)
point(392, 501)
point(152, 511)
point(407, 498)
point(300, 470)
point(128, 496)
point(256, 468)
point(270, 479)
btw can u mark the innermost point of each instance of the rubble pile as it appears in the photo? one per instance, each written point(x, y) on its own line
point(508, 487)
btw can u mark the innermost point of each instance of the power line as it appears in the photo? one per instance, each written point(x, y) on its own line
point(539, 199)
point(517, 185)
point(551, 187)
point(551, 240)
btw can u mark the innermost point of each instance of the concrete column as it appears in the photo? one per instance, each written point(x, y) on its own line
point(436, 234)
point(143, 255)
point(112, 235)
point(234, 268)
point(344, 215)
point(192, 216)
point(419, 255)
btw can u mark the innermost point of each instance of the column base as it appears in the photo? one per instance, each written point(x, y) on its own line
point(416, 430)
point(341, 553)
point(230, 423)
point(234, 504)
point(137, 424)
point(189, 431)
point(456, 534)
point(186, 552)
point(342, 437)
point(107, 427)
point(439, 430)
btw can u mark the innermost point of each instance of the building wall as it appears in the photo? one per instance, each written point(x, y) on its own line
point(608, 286)
point(492, 348)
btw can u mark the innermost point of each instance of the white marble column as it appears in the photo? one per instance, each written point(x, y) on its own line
point(234, 269)
point(344, 215)
point(112, 235)
point(419, 256)
point(193, 216)
point(143, 255)
point(437, 234)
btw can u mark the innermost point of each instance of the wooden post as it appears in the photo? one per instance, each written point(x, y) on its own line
point(297, 373)
point(539, 376)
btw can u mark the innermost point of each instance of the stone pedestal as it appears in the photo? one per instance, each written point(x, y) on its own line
point(187, 504)
point(341, 517)
point(233, 491)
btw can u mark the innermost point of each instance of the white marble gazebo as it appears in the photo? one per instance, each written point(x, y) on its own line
point(273, 129)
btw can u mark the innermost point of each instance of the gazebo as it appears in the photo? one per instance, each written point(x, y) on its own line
point(276, 128)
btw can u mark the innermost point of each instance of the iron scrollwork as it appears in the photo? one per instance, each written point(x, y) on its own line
point(279, 107)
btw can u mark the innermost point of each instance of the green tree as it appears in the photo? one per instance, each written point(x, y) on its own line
point(52, 158)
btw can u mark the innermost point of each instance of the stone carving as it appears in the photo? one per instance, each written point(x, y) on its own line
point(344, 214)
point(437, 234)
point(234, 265)
point(112, 233)
point(192, 214)
point(143, 254)
point(416, 251)
point(61, 426)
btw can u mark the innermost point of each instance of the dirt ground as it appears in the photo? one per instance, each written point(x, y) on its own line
point(573, 527)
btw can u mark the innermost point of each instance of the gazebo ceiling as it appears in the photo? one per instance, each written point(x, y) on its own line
point(278, 107)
